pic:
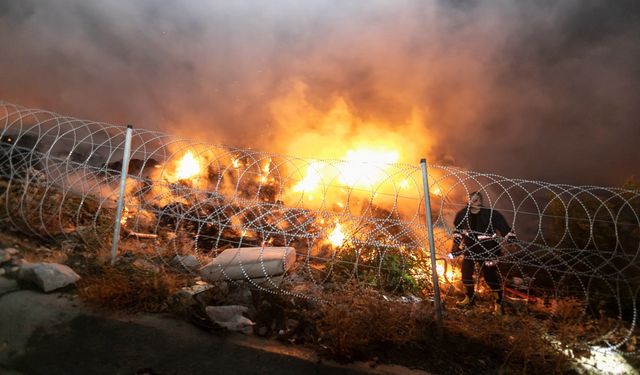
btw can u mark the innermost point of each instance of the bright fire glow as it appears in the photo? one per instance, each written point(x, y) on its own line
point(125, 213)
point(362, 168)
point(449, 276)
point(188, 167)
point(311, 181)
point(365, 167)
point(266, 167)
point(264, 177)
point(336, 237)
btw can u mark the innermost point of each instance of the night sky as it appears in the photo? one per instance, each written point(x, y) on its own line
point(544, 90)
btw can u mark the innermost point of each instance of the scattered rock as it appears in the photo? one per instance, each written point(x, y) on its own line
point(48, 276)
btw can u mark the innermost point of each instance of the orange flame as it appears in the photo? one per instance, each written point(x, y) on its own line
point(450, 275)
point(125, 213)
point(267, 166)
point(188, 167)
point(336, 237)
point(312, 179)
point(366, 167)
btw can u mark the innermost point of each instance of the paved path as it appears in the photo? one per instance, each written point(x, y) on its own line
point(55, 334)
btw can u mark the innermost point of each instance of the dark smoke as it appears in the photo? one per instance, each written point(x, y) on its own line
point(538, 90)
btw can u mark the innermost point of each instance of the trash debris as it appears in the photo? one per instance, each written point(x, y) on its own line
point(231, 318)
point(249, 262)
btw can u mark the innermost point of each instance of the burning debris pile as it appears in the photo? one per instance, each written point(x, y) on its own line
point(189, 199)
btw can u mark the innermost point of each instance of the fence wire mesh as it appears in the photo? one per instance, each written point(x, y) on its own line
point(329, 224)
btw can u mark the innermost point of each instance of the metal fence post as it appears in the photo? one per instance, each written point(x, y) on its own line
point(432, 249)
point(123, 183)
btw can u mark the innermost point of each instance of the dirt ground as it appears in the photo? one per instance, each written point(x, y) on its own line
point(55, 334)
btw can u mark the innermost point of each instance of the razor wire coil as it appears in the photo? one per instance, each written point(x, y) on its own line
point(59, 177)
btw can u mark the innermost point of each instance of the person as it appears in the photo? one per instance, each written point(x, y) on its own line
point(478, 235)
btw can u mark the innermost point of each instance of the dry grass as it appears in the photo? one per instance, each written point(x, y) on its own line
point(356, 323)
point(125, 288)
point(361, 325)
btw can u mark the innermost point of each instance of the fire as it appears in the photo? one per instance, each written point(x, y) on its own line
point(187, 167)
point(336, 238)
point(449, 275)
point(125, 213)
point(365, 167)
point(267, 167)
point(312, 179)
point(264, 175)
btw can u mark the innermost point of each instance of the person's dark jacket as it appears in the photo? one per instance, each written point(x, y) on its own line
point(480, 233)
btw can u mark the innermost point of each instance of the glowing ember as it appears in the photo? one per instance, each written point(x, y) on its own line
point(188, 167)
point(336, 237)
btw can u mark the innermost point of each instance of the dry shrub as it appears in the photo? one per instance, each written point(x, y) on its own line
point(125, 288)
point(360, 321)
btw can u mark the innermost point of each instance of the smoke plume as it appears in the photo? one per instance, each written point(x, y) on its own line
point(537, 90)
